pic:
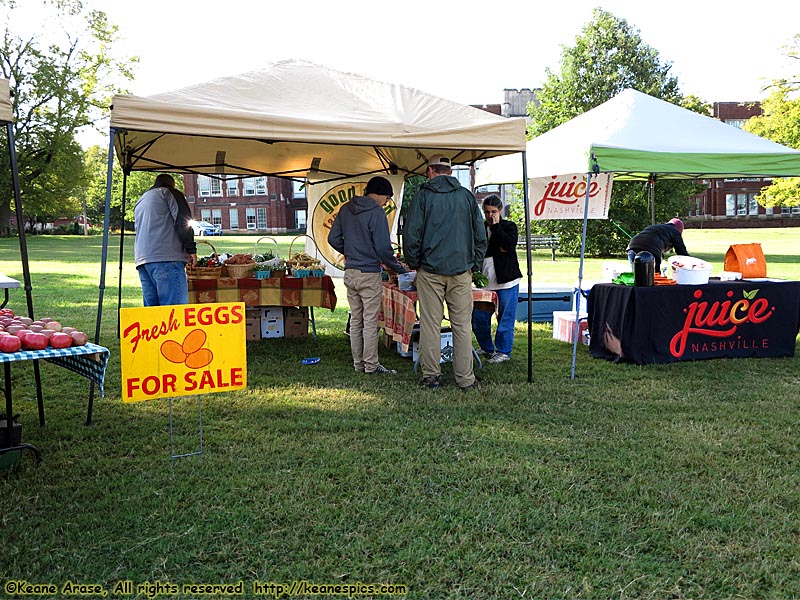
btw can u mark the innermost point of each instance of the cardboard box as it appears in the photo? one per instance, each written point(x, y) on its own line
point(564, 325)
point(547, 298)
point(296, 312)
point(295, 322)
point(272, 323)
point(446, 347)
point(252, 324)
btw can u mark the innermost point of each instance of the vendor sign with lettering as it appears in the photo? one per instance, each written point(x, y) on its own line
point(324, 201)
point(564, 196)
point(182, 350)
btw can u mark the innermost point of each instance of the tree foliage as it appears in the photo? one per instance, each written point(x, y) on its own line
point(59, 85)
point(137, 183)
point(609, 56)
point(780, 122)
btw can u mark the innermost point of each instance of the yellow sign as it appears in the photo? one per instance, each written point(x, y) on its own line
point(327, 207)
point(182, 350)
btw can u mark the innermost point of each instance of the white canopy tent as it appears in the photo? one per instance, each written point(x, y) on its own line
point(295, 118)
point(638, 137)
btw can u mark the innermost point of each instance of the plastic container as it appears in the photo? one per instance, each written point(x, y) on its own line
point(688, 270)
point(405, 281)
point(643, 269)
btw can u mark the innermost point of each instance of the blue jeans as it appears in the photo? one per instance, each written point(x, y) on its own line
point(164, 283)
point(506, 317)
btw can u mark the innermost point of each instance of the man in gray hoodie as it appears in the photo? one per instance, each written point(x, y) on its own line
point(360, 232)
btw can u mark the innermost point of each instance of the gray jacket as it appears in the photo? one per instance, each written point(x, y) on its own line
point(163, 233)
point(360, 231)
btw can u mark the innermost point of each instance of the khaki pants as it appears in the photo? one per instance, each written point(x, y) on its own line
point(433, 290)
point(364, 292)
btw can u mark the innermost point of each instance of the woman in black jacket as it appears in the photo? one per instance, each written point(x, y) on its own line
point(501, 268)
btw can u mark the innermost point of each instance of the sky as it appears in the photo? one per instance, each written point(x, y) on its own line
point(462, 51)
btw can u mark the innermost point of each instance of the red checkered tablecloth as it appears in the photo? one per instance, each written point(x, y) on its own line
point(274, 291)
point(399, 313)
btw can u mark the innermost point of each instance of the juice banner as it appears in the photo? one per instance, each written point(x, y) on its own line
point(324, 201)
point(182, 350)
point(564, 196)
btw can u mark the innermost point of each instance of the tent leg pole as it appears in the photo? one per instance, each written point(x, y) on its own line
point(578, 290)
point(23, 250)
point(121, 245)
point(103, 259)
point(526, 212)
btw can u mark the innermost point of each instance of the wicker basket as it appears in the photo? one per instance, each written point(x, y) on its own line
point(274, 263)
point(302, 268)
point(205, 272)
point(239, 271)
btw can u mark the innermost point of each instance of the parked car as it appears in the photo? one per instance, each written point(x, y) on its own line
point(205, 228)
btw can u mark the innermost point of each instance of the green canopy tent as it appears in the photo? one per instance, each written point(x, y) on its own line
point(638, 137)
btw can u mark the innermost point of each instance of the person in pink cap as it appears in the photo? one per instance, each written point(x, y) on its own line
point(658, 240)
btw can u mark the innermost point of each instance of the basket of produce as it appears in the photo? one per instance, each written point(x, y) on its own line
point(302, 264)
point(266, 258)
point(208, 267)
point(239, 266)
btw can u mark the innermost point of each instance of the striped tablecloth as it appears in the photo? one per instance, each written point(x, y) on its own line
point(274, 291)
point(89, 360)
point(398, 311)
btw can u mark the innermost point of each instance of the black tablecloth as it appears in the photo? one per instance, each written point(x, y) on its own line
point(734, 319)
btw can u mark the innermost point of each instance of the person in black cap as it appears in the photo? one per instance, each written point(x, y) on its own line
point(360, 232)
point(658, 240)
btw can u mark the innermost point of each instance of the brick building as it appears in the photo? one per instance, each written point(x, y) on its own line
point(732, 202)
point(258, 205)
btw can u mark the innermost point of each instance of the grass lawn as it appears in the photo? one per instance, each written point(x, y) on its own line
point(666, 481)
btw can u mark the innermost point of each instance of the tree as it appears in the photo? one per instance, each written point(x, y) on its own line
point(59, 85)
point(609, 56)
point(780, 122)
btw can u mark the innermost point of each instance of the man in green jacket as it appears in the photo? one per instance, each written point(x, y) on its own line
point(445, 241)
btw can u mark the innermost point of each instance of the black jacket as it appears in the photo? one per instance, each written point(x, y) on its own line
point(658, 239)
point(503, 249)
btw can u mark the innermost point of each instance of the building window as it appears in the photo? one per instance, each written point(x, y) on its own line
point(233, 216)
point(769, 210)
point(300, 218)
point(262, 217)
point(209, 186)
point(753, 204)
point(736, 122)
point(462, 174)
point(298, 191)
point(250, 216)
point(205, 215)
point(261, 186)
point(232, 186)
point(249, 186)
point(216, 216)
point(740, 205)
point(203, 185)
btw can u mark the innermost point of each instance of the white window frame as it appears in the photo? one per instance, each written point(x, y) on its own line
point(233, 217)
point(250, 217)
point(261, 217)
point(261, 186)
point(249, 185)
point(205, 215)
point(301, 216)
point(203, 186)
point(216, 186)
point(231, 185)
